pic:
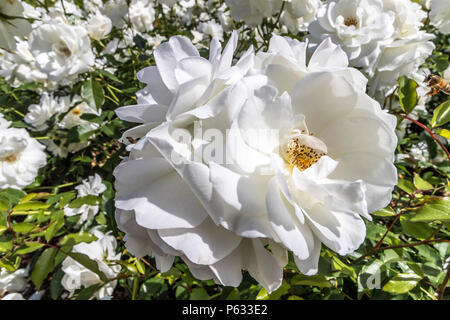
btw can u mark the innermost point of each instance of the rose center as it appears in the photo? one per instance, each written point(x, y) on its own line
point(351, 22)
point(11, 158)
point(62, 48)
point(77, 111)
point(303, 150)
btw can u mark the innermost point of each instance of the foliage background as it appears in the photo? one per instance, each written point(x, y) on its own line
point(407, 243)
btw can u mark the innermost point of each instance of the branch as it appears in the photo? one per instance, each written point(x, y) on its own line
point(431, 133)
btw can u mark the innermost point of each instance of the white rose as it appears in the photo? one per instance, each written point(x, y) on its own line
point(440, 15)
point(116, 11)
point(253, 11)
point(212, 29)
point(98, 26)
point(142, 15)
point(360, 27)
point(21, 157)
point(299, 13)
point(39, 114)
point(9, 28)
point(91, 186)
point(382, 37)
point(13, 296)
point(103, 252)
point(176, 198)
point(13, 281)
point(3, 122)
point(61, 51)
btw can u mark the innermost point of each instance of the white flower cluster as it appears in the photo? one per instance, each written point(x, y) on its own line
point(308, 155)
point(103, 252)
point(21, 156)
point(383, 37)
point(92, 186)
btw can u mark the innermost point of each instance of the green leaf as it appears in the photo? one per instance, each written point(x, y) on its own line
point(444, 133)
point(29, 247)
point(108, 75)
point(11, 196)
point(199, 294)
point(23, 227)
point(435, 211)
point(31, 205)
point(386, 212)
point(56, 223)
point(401, 283)
point(441, 115)
point(316, 280)
point(92, 92)
point(87, 293)
point(85, 261)
point(419, 230)
point(75, 238)
point(276, 295)
point(407, 93)
point(3, 206)
point(44, 265)
point(90, 200)
point(406, 186)
point(422, 184)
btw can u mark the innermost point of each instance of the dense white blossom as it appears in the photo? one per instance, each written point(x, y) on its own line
point(60, 50)
point(21, 156)
point(103, 252)
point(219, 216)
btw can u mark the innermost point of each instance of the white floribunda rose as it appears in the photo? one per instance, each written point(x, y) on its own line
point(360, 27)
point(253, 11)
point(299, 13)
point(142, 15)
point(21, 157)
point(103, 252)
point(10, 27)
point(212, 29)
point(98, 26)
point(329, 164)
point(60, 50)
point(39, 114)
point(383, 37)
point(18, 67)
point(3, 122)
point(91, 186)
point(116, 11)
point(13, 281)
point(440, 15)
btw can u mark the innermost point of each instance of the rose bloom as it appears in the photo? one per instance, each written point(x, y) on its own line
point(13, 281)
point(60, 50)
point(142, 15)
point(94, 186)
point(328, 165)
point(253, 11)
point(382, 37)
point(298, 14)
point(9, 28)
point(103, 252)
point(21, 157)
point(98, 26)
point(440, 15)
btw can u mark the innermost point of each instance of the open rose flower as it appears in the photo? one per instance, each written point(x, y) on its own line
point(328, 165)
point(383, 37)
point(61, 51)
point(21, 157)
